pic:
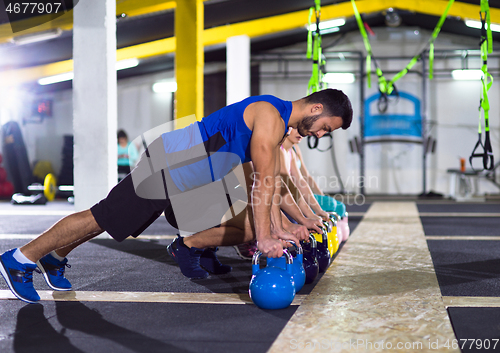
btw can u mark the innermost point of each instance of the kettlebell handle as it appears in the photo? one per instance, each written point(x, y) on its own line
point(299, 248)
point(325, 235)
point(314, 243)
point(328, 226)
point(257, 255)
point(334, 217)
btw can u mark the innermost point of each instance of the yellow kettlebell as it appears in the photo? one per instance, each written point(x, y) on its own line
point(333, 239)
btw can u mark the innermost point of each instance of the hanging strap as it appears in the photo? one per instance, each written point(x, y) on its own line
point(484, 104)
point(485, 7)
point(368, 47)
point(434, 36)
point(314, 50)
point(385, 86)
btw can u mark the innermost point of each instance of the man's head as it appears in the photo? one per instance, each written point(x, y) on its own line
point(327, 110)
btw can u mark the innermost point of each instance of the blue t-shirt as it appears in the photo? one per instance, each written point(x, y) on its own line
point(206, 151)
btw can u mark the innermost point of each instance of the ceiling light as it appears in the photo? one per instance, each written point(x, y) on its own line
point(327, 25)
point(165, 87)
point(126, 64)
point(37, 37)
point(56, 78)
point(477, 24)
point(467, 75)
point(120, 65)
point(339, 77)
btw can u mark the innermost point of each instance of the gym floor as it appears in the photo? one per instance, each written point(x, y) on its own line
point(413, 277)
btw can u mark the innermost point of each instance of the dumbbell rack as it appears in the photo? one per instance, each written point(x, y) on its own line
point(6, 187)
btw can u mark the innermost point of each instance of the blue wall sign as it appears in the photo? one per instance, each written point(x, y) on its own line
point(395, 125)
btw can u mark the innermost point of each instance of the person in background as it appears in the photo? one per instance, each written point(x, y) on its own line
point(292, 157)
point(127, 155)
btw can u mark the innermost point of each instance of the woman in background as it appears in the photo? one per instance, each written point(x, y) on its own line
point(127, 155)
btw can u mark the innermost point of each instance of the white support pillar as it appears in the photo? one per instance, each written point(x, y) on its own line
point(237, 68)
point(94, 101)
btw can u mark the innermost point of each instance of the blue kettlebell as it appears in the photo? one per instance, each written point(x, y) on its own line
point(299, 275)
point(310, 263)
point(322, 253)
point(272, 287)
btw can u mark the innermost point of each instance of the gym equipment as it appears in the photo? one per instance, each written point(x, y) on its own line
point(299, 274)
point(49, 187)
point(6, 187)
point(272, 287)
point(310, 263)
point(20, 199)
point(486, 45)
point(16, 158)
point(314, 51)
point(387, 88)
point(332, 236)
point(3, 175)
point(65, 176)
point(322, 252)
point(340, 234)
point(344, 225)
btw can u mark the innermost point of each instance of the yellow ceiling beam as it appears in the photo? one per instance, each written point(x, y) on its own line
point(143, 7)
point(261, 27)
point(65, 22)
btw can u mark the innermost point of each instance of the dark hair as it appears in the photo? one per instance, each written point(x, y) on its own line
point(335, 103)
point(122, 133)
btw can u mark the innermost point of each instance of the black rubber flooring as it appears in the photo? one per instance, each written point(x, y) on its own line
point(477, 329)
point(469, 268)
point(460, 207)
point(357, 208)
point(461, 225)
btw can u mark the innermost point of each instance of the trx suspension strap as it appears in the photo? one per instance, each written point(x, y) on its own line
point(484, 104)
point(368, 47)
point(386, 88)
point(314, 50)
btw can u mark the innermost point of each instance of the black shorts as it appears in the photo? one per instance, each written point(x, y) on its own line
point(141, 197)
point(123, 213)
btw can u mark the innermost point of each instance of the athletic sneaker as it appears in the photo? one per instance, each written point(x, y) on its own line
point(188, 259)
point(246, 250)
point(19, 277)
point(53, 271)
point(211, 263)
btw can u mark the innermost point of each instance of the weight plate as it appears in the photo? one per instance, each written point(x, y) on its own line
point(50, 187)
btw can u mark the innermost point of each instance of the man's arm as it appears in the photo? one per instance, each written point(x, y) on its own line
point(292, 209)
point(293, 202)
point(305, 173)
point(306, 190)
point(268, 130)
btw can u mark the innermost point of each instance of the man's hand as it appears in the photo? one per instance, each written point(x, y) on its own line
point(300, 231)
point(283, 235)
point(314, 224)
point(324, 215)
point(270, 247)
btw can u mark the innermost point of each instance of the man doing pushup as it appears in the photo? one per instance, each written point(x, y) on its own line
point(180, 162)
